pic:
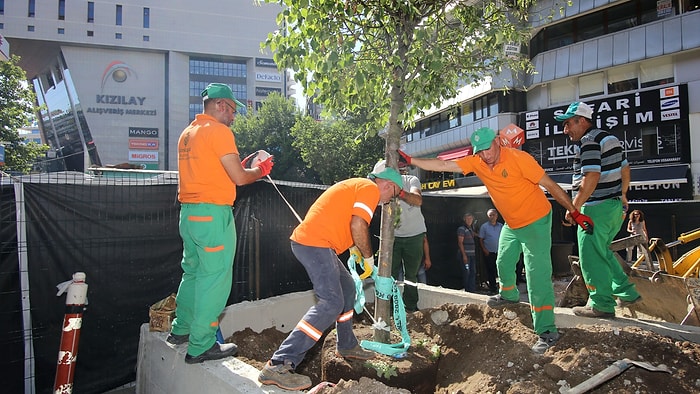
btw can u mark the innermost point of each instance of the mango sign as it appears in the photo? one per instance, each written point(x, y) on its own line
point(512, 136)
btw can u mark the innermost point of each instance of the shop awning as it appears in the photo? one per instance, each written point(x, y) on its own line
point(457, 153)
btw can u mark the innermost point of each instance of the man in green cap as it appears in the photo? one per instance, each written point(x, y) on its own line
point(209, 169)
point(513, 179)
point(600, 181)
point(336, 221)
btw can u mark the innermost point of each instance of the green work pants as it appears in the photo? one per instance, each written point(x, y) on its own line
point(602, 273)
point(209, 242)
point(534, 241)
point(408, 253)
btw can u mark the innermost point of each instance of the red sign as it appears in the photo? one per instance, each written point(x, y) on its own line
point(143, 144)
point(512, 136)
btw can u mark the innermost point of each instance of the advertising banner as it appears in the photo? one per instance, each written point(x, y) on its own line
point(652, 126)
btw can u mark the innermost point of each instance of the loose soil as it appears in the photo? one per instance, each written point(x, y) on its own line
point(478, 349)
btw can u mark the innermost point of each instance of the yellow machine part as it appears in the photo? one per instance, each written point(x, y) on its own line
point(688, 265)
point(673, 292)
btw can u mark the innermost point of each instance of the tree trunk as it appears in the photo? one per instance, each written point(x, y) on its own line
point(386, 243)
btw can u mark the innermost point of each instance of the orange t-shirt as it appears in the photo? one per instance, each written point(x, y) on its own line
point(327, 224)
point(513, 185)
point(203, 178)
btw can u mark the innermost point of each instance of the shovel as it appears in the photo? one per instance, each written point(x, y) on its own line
point(610, 372)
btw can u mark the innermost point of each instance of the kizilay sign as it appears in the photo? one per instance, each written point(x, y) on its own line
point(652, 125)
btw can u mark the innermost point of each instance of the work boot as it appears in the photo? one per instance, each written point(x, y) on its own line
point(622, 303)
point(587, 311)
point(175, 339)
point(215, 352)
point(547, 339)
point(283, 375)
point(358, 353)
point(498, 300)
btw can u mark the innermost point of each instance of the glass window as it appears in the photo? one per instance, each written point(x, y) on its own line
point(31, 9)
point(480, 108)
point(30, 28)
point(434, 125)
point(90, 33)
point(656, 72)
point(622, 17)
point(118, 36)
point(493, 104)
point(622, 79)
point(653, 10)
point(146, 17)
point(591, 85)
point(61, 10)
point(455, 117)
point(91, 12)
point(590, 26)
point(562, 92)
point(146, 38)
point(118, 20)
point(559, 35)
point(467, 113)
point(2, 7)
point(61, 30)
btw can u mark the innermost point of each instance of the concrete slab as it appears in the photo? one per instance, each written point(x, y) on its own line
point(161, 367)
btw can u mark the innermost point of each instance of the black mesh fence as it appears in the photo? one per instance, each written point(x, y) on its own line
point(121, 229)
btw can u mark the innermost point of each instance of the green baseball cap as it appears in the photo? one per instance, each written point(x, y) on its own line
point(220, 90)
point(482, 138)
point(576, 108)
point(382, 171)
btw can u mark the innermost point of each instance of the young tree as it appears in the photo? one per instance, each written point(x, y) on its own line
point(17, 103)
point(393, 59)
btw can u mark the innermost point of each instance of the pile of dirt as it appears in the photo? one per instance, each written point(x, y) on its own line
point(485, 350)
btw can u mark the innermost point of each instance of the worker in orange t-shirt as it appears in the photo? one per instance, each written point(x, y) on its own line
point(513, 179)
point(209, 168)
point(337, 220)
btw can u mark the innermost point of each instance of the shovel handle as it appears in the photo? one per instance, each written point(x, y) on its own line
point(601, 377)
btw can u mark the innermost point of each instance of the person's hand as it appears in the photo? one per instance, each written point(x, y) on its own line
point(253, 159)
point(584, 221)
point(367, 263)
point(265, 166)
point(404, 158)
point(354, 251)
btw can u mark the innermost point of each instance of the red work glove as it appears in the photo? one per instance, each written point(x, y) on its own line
point(584, 221)
point(265, 166)
point(404, 158)
point(253, 159)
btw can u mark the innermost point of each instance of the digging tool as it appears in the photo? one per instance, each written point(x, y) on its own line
point(610, 372)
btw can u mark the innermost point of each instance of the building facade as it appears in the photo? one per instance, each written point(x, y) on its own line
point(119, 80)
point(634, 61)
